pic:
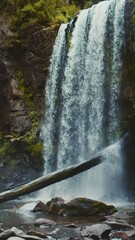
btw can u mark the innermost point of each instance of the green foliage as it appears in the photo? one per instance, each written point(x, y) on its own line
point(35, 149)
point(89, 3)
point(6, 147)
point(85, 3)
point(27, 94)
point(30, 141)
point(12, 164)
point(25, 14)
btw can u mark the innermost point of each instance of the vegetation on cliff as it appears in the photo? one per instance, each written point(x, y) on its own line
point(33, 23)
point(43, 12)
point(22, 16)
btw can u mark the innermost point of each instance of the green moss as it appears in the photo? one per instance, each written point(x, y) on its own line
point(12, 164)
point(30, 141)
point(81, 200)
point(68, 39)
point(35, 148)
point(7, 149)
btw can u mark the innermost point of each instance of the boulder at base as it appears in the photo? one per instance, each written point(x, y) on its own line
point(118, 224)
point(79, 207)
point(96, 231)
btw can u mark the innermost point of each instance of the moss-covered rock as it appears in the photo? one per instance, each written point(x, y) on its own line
point(79, 207)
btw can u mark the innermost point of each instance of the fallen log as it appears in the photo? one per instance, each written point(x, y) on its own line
point(58, 176)
point(50, 179)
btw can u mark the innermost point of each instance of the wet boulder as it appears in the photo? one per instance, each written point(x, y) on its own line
point(44, 221)
point(55, 205)
point(84, 206)
point(96, 231)
point(120, 216)
point(6, 234)
point(71, 225)
point(37, 234)
point(19, 233)
point(39, 207)
point(118, 224)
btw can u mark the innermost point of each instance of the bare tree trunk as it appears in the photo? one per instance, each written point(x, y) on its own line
point(50, 179)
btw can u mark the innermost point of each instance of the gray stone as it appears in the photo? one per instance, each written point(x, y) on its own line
point(71, 225)
point(37, 234)
point(15, 238)
point(96, 231)
point(118, 224)
point(44, 221)
point(40, 206)
point(6, 234)
point(20, 233)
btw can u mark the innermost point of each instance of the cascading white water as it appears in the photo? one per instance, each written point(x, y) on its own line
point(82, 107)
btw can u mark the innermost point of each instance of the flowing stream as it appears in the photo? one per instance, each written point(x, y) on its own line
point(82, 102)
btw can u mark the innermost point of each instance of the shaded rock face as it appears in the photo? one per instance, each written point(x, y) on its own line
point(128, 96)
point(13, 112)
point(34, 58)
point(24, 66)
point(4, 93)
point(29, 56)
point(128, 74)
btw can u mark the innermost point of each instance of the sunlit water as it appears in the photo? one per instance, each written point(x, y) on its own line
point(82, 108)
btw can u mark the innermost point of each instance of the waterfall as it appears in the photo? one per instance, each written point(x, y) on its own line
point(82, 101)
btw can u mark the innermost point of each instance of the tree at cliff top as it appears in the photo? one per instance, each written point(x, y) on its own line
point(43, 12)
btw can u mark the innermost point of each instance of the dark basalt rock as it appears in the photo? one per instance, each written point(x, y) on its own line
point(40, 206)
point(79, 207)
point(55, 205)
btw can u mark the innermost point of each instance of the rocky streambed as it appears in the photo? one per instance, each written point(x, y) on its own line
point(36, 220)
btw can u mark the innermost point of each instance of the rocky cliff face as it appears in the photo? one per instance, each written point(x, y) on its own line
point(24, 67)
point(128, 96)
point(128, 83)
point(24, 64)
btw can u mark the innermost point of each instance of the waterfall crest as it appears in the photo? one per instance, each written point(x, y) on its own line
point(82, 101)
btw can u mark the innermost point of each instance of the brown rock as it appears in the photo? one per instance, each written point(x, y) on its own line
point(85, 206)
point(127, 235)
point(37, 234)
point(40, 206)
point(55, 205)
